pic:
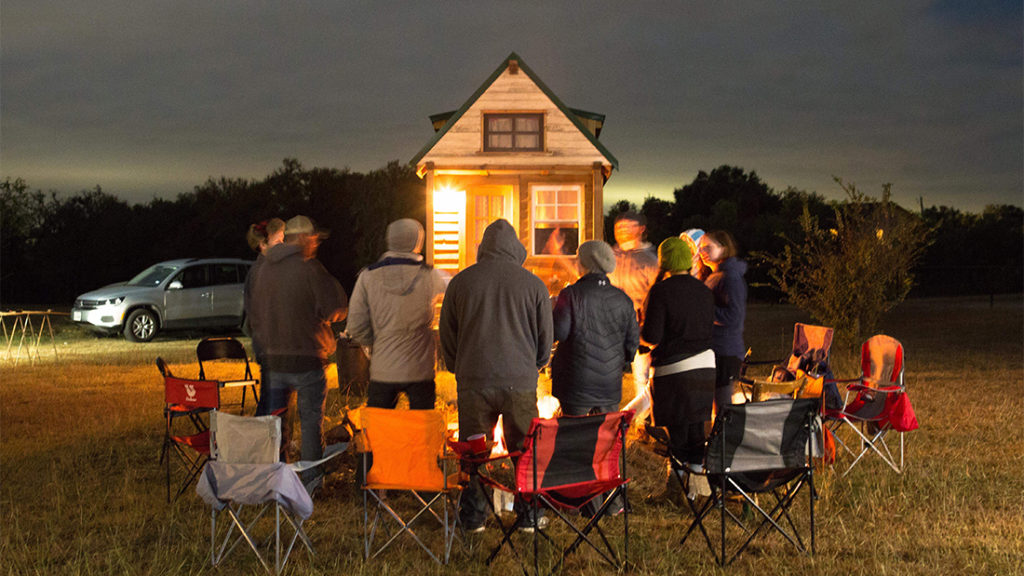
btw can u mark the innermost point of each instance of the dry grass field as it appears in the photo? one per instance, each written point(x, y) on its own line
point(81, 491)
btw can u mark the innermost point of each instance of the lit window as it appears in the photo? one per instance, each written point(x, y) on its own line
point(513, 132)
point(556, 220)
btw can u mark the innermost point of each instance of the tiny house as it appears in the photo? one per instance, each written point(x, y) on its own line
point(515, 151)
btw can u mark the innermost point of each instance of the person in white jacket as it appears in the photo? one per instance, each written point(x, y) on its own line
point(391, 312)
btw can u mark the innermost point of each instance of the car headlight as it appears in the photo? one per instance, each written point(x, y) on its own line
point(114, 301)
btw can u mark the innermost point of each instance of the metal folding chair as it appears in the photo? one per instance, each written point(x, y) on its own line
point(226, 348)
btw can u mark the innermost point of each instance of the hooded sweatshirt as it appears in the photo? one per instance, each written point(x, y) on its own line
point(292, 304)
point(391, 312)
point(496, 317)
point(730, 290)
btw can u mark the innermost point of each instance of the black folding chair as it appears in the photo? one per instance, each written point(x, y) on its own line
point(759, 448)
point(227, 348)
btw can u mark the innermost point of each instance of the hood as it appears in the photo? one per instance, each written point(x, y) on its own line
point(279, 252)
point(734, 266)
point(114, 291)
point(500, 242)
point(398, 271)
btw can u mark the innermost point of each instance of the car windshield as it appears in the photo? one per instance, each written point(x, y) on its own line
point(153, 275)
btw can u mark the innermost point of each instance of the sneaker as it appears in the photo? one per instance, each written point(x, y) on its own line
point(524, 524)
point(474, 528)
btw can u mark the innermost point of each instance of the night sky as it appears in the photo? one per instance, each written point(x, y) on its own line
point(149, 99)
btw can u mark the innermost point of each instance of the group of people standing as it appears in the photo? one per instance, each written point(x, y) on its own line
point(676, 312)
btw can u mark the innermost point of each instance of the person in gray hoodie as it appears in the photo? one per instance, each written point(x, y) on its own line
point(293, 302)
point(496, 334)
point(391, 312)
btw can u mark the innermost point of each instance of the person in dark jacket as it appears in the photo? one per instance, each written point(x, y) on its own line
point(495, 331)
point(293, 302)
point(725, 279)
point(596, 330)
point(678, 320)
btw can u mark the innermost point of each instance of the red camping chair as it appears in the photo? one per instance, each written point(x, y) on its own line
point(188, 398)
point(566, 463)
point(879, 404)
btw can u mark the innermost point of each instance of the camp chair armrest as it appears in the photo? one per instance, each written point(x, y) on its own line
point(882, 390)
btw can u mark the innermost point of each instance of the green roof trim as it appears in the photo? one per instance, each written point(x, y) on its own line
point(569, 113)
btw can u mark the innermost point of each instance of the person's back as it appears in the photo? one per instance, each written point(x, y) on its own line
point(496, 315)
point(496, 336)
point(391, 312)
point(596, 328)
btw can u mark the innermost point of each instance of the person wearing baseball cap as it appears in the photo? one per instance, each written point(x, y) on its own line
point(293, 302)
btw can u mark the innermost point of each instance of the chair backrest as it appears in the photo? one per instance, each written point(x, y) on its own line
point(245, 439)
point(576, 456)
point(881, 361)
point(406, 447)
point(191, 394)
point(762, 436)
point(223, 348)
point(162, 367)
point(810, 344)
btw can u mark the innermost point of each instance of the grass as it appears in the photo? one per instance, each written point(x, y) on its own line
point(81, 491)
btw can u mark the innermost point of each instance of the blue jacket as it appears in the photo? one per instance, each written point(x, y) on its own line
point(730, 290)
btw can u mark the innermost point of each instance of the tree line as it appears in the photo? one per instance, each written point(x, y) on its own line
point(54, 247)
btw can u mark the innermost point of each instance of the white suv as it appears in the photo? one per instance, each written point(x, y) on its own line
point(188, 293)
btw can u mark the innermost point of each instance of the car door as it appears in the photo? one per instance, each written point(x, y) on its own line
point(187, 297)
point(227, 286)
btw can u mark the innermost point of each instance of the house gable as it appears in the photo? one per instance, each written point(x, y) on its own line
point(570, 136)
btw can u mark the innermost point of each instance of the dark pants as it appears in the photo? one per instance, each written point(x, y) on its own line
point(727, 372)
point(681, 403)
point(478, 414)
point(311, 390)
point(385, 394)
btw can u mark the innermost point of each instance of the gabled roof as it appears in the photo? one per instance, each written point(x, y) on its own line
point(571, 114)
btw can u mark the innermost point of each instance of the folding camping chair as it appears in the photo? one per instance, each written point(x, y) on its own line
point(879, 404)
point(226, 348)
point(245, 472)
point(191, 399)
point(404, 452)
point(567, 462)
point(805, 374)
point(759, 448)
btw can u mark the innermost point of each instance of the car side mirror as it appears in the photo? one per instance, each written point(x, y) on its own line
point(176, 285)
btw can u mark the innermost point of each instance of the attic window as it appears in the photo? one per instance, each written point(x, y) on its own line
point(513, 132)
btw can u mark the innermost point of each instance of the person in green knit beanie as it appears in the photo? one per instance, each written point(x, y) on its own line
point(678, 318)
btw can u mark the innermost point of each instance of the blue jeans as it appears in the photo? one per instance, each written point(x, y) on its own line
point(311, 388)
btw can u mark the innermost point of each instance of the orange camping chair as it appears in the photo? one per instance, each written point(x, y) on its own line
point(405, 453)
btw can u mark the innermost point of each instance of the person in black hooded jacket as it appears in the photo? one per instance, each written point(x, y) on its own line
point(597, 334)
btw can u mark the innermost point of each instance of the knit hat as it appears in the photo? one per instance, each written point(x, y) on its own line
point(596, 256)
point(674, 255)
point(692, 238)
point(405, 235)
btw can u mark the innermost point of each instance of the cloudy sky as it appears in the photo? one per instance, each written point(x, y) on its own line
point(150, 98)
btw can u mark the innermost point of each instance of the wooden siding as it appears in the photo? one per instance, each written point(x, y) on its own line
point(462, 145)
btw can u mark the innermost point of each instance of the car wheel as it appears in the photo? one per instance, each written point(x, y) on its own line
point(141, 326)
